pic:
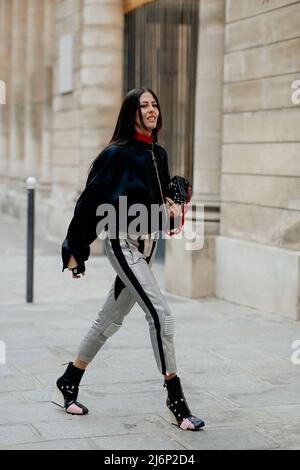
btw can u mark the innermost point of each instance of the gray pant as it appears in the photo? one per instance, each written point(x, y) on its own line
point(135, 282)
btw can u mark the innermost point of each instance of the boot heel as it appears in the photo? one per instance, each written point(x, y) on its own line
point(173, 419)
point(58, 398)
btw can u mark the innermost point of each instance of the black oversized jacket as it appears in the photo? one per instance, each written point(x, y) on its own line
point(122, 170)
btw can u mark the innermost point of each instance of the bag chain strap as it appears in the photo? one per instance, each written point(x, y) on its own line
point(158, 178)
point(162, 197)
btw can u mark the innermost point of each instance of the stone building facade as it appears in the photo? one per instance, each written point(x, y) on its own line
point(246, 158)
point(62, 63)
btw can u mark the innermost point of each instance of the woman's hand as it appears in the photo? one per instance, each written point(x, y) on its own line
point(173, 208)
point(71, 265)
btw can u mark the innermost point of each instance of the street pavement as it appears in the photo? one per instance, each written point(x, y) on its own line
point(235, 364)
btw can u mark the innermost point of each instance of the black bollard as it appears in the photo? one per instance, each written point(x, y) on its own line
point(31, 185)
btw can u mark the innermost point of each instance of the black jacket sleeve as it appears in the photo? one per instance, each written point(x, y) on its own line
point(104, 187)
point(82, 229)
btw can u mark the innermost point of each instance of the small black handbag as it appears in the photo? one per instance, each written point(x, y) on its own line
point(179, 189)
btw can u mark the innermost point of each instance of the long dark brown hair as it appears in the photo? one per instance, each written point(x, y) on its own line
point(125, 127)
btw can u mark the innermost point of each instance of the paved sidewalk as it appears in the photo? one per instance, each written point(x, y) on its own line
point(234, 362)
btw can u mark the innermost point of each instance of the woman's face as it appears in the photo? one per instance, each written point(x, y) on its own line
point(150, 113)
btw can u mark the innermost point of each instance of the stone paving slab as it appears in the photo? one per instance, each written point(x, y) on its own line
point(237, 417)
point(17, 434)
point(141, 441)
point(239, 438)
point(284, 413)
point(62, 444)
point(272, 396)
point(76, 427)
point(18, 382)
point(285, 434)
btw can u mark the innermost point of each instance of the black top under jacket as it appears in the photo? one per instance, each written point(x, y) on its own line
point(122, 170)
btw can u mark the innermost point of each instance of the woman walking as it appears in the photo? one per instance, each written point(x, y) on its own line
point(134, 166)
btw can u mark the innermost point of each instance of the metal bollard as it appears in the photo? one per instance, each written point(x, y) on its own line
point(31, 185)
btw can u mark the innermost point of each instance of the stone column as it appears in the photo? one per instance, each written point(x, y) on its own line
point(191, 273)
point(208, 114)
point(34, 87)
point(5, 58)
point(16, 97)
point(101, 75)
point(84, 116)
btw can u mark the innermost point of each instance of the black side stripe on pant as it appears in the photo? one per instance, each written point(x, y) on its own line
point(141, 246)
point(152, 249)
point(119, 284)
point(115, 244)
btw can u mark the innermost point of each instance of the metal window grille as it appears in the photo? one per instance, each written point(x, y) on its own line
point(161, 40)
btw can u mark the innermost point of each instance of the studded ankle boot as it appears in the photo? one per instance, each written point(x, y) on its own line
point(66, 391)
point(180, 413)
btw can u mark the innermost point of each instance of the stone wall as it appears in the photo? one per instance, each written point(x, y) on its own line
point(257, 254)
point(26, 31)
point(261, 139)
point(48, 129)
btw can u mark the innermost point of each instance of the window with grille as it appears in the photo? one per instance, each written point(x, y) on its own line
point(161, 41)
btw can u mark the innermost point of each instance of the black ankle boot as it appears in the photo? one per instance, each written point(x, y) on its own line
point(180, 413)
point(66, 391)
